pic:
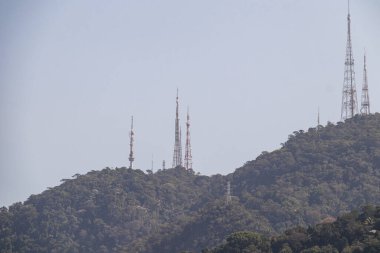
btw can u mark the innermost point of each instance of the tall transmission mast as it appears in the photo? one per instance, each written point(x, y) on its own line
point(177, 155)
point(180, 144)
point(349, 97)
point(152, 165)
point(318, 126)
point(131, 140)
point(228, 193)
point(188, 156)
point(318, 120)
point(365, 109)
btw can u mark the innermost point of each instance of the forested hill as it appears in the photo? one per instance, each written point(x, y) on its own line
point(355, 232)
point(316, 174)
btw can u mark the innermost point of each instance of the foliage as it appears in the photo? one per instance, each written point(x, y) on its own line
point(351, 232)
point(317, 174)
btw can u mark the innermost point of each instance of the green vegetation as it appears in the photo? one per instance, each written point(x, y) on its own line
point(352, 233)
point(313, 176)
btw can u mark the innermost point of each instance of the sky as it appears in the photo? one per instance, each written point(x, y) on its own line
point(251, 72)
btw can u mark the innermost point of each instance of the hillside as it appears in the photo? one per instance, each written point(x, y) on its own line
point(357, 232)
point(105, 211)
point(314, 175)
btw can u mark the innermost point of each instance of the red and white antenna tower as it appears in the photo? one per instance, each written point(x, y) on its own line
point(365, 109)
point(188, 156)
point(177, 155)
point(349, 97)
point(131, 140)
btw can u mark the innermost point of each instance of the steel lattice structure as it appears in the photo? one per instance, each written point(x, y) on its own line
point(177, 155)
point(365, 109)
point(188, 156)
point(349, 96)
point(131, 140)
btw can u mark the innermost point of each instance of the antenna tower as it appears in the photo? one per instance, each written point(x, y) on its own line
point(228, 195)
point(365, 110)
point(152, 167)
point(188, 156)
point(163, 165)
point(177, 156)
point(318, 121)
point(131, 140)
point(318, 125)
point(349, 97)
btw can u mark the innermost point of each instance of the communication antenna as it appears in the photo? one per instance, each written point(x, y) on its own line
point(177, 155)
point(163, 165)
point(318, 122)
point(131, 140)
point(365, 109)
point(349, 97)
point(318, 125)
point(188, 155)
point(228, 195)
point(152, 163)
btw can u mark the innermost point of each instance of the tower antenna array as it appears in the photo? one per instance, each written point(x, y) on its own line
point(177, 155)
point(131, 140)
point(365, 109)
point(188, 156)
point(349, 97)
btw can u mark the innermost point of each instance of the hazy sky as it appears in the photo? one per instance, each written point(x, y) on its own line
point(252, 71)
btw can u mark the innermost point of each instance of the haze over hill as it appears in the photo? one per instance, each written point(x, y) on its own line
point(313, 176)
point(73, 72)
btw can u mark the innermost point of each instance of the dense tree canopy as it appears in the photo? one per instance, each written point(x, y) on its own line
point(355, 232)
point(316, 175)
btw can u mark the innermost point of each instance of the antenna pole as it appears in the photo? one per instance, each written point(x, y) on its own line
point(228, 195)
point(188, 155)
point(177, 155)
point(131, 140)
point(365, 109)
point(318, 122)
point(349, 97)
point(152, 163)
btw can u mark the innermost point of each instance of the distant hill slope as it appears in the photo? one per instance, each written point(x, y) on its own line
point(314, 175)
point(105, 211)
point(357, 232)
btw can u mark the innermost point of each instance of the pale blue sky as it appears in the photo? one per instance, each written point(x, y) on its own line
point(252, 71)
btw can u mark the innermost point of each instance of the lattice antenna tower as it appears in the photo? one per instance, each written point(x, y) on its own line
point(318, 120)
point(152, 165)
point(318, 125)
point(163, 165)
point(131, 141)
point(180, 145)
point(365, 109)
point(228, 194)
point(177, 155)
point(349, 97)
point(188, 155)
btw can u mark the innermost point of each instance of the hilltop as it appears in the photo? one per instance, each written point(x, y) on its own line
point(316, 174)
